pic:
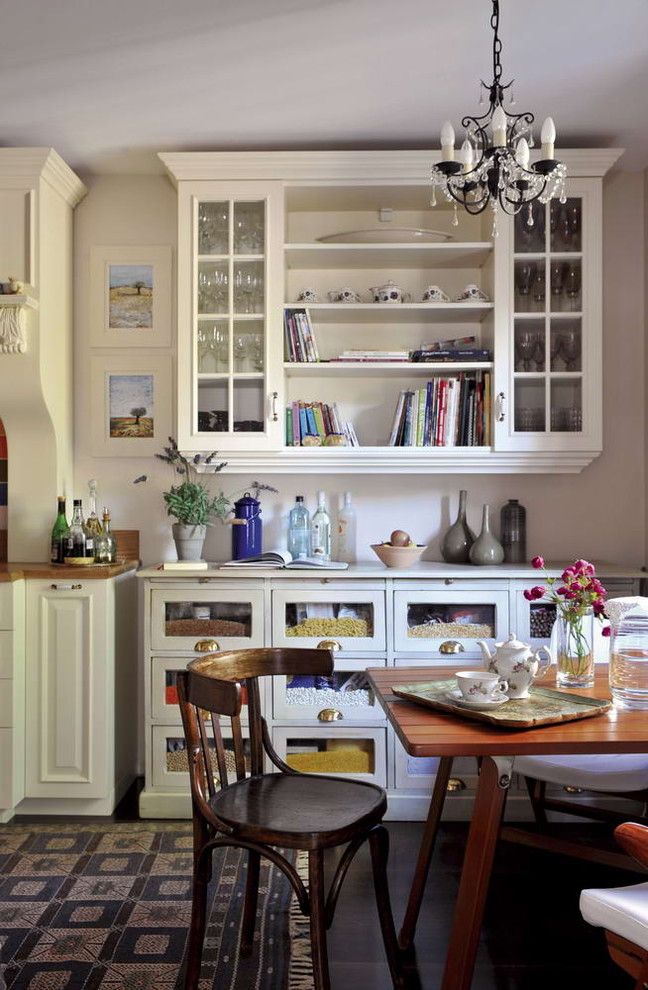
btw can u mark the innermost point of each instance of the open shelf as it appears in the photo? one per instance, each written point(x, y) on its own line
point(460, 312)
point(468, 254)
point(365, 369)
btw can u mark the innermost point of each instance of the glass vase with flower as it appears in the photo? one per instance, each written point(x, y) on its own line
point(579, 599)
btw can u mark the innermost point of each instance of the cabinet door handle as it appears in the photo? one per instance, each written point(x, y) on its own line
point(500, 413)
point(206, 646)
point(275, 411)
point(329, 644)
point(66, 587)
point(329, 715)
point(451, 646)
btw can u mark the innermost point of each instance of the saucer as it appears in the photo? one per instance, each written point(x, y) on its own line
point(458, 699)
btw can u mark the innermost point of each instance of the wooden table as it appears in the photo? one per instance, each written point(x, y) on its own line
point(424, 732)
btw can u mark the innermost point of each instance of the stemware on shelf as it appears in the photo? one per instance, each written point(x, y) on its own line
point(525, 346)
point(573, 285)
point(570, 348)
point(523, 279)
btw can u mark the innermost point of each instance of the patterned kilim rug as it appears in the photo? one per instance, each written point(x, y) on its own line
point(107, 907)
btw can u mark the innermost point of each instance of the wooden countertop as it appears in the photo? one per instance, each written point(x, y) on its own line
point(16, 572)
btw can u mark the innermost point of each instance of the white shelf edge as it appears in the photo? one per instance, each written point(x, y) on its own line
point(298, 369)
point(378, 246)
point(19, 299)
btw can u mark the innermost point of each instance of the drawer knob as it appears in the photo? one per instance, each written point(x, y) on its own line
point(66, 587)
point(329, 715)
point(451, 646)
point(206, 646)
point(329, 644)
point(455, 784)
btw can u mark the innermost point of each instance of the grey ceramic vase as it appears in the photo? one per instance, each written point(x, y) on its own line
point(458, 540)
point(189, 541)
point(486, 549)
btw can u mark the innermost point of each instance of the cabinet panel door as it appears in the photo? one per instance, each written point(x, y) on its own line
point(70, 704)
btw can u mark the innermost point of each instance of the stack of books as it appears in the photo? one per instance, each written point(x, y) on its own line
point(299, 336)
point(446, 412)
point(449, 355)
point(369, 357)
point(309, 423)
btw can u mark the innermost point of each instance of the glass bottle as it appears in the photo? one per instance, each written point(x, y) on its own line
point(513, 531)
point(299, 529)
point(346, 532)
point(105, 543)
point(321, 530)
point(59, 534)
point(92, 523)
point(76, 537)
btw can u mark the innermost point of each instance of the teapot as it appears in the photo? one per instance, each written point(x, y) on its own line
point(389, 293)
point(516, 663)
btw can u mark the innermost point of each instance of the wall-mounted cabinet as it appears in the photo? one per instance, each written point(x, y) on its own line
point(256, 230)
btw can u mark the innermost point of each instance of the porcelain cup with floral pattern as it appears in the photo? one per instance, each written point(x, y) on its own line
point(344, 295)
point(480, 685)
point(307, 296)
point(434, 293)
point(389, 293)
point(472, 293)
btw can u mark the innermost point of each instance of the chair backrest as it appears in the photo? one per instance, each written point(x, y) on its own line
point(216, 686)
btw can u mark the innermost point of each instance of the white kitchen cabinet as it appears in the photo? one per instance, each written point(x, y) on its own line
point(12, 696)
point(80, 661)
point(541, 320)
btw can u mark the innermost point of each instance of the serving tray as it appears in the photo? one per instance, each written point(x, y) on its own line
point(544, 706)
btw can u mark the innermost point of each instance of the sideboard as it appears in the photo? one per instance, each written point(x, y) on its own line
point(431, 614)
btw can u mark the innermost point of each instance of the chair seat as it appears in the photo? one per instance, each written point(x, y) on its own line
point(616, 773)
point(304, 811)
point(622, 910)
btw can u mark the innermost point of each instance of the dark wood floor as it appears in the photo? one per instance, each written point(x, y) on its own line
point(533, 937)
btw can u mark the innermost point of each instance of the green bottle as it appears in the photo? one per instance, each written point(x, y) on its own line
point(59, 534)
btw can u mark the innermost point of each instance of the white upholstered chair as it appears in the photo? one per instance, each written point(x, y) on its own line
point(623, 911)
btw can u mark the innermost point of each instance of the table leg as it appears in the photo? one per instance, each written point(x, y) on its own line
point(408, 931)
point(492, 789)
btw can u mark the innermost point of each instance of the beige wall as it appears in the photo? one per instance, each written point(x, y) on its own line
point(600, 513)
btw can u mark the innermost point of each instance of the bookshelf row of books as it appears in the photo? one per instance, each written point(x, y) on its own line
point(314, 424)
point(299, 337)
point(446, 412)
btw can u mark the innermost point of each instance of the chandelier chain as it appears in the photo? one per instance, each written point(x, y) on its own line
point(497, 43)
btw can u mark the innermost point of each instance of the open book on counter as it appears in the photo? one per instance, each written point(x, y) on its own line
point(283, 558)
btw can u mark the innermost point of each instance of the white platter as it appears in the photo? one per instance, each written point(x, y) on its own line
point(387, 235)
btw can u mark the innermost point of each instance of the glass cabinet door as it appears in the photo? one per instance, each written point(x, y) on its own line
point(555, 332)
point(228, 364)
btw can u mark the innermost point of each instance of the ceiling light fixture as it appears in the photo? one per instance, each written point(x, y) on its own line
point(492, 166)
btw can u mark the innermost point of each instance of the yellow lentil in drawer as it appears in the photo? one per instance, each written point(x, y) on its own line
point(459, 630)
point(330, 627)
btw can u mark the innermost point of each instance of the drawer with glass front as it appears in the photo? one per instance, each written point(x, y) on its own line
point(344, 696)
point(448, 623)
point(218, 619)
point(351, 619)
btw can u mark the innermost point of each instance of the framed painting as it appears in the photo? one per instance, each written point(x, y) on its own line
point(131, 400)
point(130, 296)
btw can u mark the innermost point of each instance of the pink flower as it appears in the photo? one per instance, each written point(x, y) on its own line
point(585, 567)
point(528, 595)
point(568, 574)
point(597, 607)
point(538, 592)
point(606, 631)
point(562, 590)
point(538, 563)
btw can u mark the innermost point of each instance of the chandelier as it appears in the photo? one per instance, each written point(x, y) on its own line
point(492, 167)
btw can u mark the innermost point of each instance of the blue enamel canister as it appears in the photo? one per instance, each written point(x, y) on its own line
point(247, 535)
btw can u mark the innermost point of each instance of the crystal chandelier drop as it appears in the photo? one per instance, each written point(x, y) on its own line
point(493, 164)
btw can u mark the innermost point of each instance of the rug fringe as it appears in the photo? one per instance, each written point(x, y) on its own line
point(300, 971)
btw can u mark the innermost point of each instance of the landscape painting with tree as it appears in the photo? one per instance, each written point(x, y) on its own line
point(130, 405)
point(130, 289)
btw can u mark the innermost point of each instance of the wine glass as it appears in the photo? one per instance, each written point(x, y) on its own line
point(240, 351)
point(571, 348)
point(257, 351)
point(539, 351)
point(574, 223)
point(523, 278)
point(538, 288)
point(557, 279)
point(573, 285)
point(525, 345)
point(221, 348)
point(555, 349)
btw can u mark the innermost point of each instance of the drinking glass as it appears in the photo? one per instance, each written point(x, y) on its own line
point(574, 223)
point(557, 280)
point(525, 345)
point(573, 285)
point(539, 350)
point(221, 348)
point(571, 349)
point(538, 288)
point(240, 352)
point(555, 349)
point(523, 278)
point(257, 351)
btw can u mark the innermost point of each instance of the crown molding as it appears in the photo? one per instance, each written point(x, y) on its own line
point(335, 166)
point(32, 164)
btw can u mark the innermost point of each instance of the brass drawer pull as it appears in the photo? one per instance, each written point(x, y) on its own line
point(207, 646)
point(455, 784)
point(451, 646)
point(329, 644)
point(329, 715)
point(66, 587)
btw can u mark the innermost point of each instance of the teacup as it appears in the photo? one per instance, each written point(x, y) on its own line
point(480, 685)
point(389, 293)
point(307, 296)
point(344, 295)
point(435, 293)
point(472, 293)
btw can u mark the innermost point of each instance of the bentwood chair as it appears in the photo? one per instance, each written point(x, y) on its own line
point(623, 911)
point(265, 812)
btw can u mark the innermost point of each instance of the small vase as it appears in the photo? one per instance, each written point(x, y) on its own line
point(459, 538)
point(486, 549)
point(189, 541)
point(575, 651)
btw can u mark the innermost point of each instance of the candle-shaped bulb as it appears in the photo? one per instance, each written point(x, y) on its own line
point(447, 142)
point(522, 153)
point(467, 155)
point(499, 127)
point(548, 137)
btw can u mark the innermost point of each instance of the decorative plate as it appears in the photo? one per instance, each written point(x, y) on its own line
point(391, 235)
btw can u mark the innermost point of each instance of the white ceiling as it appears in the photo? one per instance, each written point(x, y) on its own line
point(110, 82)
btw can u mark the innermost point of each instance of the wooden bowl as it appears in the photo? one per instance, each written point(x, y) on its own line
point(398, 556)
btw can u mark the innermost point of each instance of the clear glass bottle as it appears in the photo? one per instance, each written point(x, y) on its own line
point(76, 537)
point(105, 543)
point(59, 534)
point(321, 530)
point(628, 670)
point(346, 532)
point(92, 522)
point(299, 529)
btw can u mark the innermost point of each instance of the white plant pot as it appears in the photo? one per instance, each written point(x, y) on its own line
point(189, 541)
